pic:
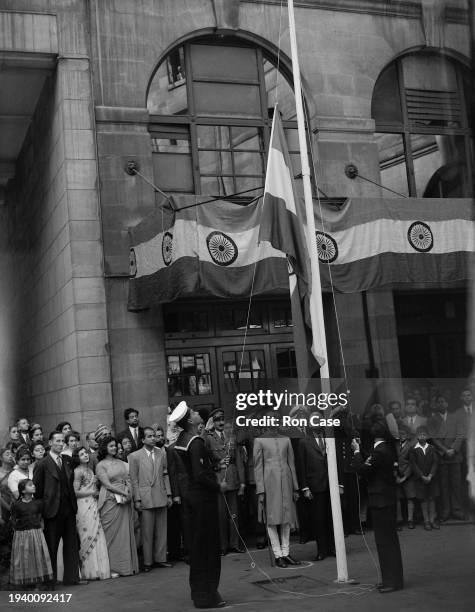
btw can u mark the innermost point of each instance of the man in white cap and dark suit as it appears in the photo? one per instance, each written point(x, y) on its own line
point(202, 501)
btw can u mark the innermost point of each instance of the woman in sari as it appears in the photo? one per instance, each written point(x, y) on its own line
point(116, 509)
point(93, 553)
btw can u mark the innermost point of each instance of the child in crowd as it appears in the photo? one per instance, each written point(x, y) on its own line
point(424, 462)
point(404, 476)
point(30, 562)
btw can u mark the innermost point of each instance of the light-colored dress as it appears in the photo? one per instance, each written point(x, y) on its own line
point(117, 517)
point(16, 476)
point(275, 475)
point(93, 553)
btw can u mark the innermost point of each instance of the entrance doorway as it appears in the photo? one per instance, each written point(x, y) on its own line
point(432, 334)
point(210, 357)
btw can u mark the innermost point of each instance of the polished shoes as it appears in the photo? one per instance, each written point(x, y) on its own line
point(281, 562)
point(291, 561)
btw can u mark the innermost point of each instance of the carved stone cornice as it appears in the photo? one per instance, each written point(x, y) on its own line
point(455, 11)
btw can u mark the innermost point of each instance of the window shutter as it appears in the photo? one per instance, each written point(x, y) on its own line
point(433, 108)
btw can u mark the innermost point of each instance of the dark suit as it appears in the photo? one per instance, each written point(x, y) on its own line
point(379, 473)
point(313, 471)
point(127, 434)
point(449, 434)
point(350, 500)
point(54, 487)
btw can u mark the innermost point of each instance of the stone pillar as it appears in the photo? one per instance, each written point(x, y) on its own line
point(137, 347)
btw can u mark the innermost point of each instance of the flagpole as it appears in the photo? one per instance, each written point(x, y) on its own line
point(316, 305)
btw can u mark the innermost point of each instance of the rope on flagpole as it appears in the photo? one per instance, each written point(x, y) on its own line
point(340, 342)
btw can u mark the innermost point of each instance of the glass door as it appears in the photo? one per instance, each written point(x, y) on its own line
point(241, 371)
point(191, 376)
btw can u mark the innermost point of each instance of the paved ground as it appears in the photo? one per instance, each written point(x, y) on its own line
point(439, 571)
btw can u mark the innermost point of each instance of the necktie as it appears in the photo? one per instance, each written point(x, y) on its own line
point(59, 461)
point(135, 436)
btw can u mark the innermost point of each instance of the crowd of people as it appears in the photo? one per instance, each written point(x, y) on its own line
point(120, 504)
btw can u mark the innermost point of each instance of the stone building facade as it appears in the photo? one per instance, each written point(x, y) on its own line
point(81, 97)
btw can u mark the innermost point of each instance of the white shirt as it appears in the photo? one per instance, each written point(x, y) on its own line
point(468, 409)
point(376, 444)
point(423, 448)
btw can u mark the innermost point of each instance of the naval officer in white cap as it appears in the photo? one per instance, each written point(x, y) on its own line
point(202, 501)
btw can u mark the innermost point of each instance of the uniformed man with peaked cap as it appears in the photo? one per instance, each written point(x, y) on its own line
point(202, 501)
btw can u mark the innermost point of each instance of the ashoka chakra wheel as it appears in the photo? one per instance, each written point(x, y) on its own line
point(222, 248)
point(167, 248)
point(132, 263)
point(420, 237)
point(326, 247)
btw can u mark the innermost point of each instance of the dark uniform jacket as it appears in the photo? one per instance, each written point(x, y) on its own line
point(196, 467)
point(378, 470)
point(234, 474)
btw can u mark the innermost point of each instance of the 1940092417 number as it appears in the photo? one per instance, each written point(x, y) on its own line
point(35, 598)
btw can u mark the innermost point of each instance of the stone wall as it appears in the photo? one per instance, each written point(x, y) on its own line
point(55, 244)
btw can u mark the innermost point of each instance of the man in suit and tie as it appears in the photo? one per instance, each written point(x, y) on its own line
point(53, 478)
point(448, 430)
point(378, 469)
point(92, 446)
point(23, 430)
point(152, 496)
point(313, 474)
point(412, 419)
point(133, 431)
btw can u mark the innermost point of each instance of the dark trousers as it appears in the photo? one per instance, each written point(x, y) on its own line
point(321, 515)
point(174, 532)
point(186, 524)
point(387, 545)
point(63, 525)
point(227, 507)
point(350, 503)
point(450, 478)
point(306, 527)
point(205, 556)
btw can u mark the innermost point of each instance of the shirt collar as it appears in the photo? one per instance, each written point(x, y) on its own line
point(376, 444)
point(423, 448)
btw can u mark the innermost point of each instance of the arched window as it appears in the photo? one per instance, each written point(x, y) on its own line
point(210, 105)
point(420, 106)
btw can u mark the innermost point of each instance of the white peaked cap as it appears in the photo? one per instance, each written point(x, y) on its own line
point(179, 412)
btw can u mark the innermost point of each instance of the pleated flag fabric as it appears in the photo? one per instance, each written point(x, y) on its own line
point(208, 250)
point(282, 227)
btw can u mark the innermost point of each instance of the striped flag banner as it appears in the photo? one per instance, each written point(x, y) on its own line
point(208, 250)
point(375, 242)
point(211, 250)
